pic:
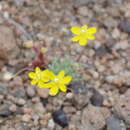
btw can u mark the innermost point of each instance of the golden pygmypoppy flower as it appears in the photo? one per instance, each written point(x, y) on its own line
point(83, 34)
point(58, 82)
point(39, 77)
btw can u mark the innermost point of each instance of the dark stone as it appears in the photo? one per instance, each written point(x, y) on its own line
point(3, 88)
point(19, 93)
point(60, 118)
point(125, 26)
point(97, 99)
point(4, 110)
point(101, 51)
point(123, 89)
point(113, 123)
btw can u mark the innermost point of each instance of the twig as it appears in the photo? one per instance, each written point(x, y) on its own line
point(20, 71)
point(22, 29)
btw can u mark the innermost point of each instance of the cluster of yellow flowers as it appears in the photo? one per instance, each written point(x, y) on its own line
point(47, 79)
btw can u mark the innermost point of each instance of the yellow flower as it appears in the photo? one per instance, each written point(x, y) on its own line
point(39, 77)
point(82, 34)
point(58, 82)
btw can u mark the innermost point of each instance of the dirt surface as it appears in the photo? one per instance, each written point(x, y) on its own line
point(105, 93)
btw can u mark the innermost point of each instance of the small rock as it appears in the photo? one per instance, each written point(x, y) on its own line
point(125, 26)
point(49, 107)
point(19, 93)
point(38, 107)
point(20, 101)
point(95, 116)
point(83, 11)
point(30, 91)
point(69, 109)
point(26, 118)
point(80, 101)
point(113, 124)
point(121, 79)
point(109, 22)
point(72, 127)
point(51, 124)
point(3, 88)
point(7, 76)
point(116, 33)
point(13, 108)
point(4, 110)
point(60, 118)
point(69, 95)
point(43, 92)
point(10, 48)
point(121, 107)
point(102, 50)
point(122, 45)
point(97, 99)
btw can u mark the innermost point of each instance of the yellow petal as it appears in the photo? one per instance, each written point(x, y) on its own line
point(75, 39)
point(31, 75)
point(92, 30)
point(66, 80)
point(45, 75)
point(91, 37)
point(41, 84)
point(33, 82)
point(75, 30)
point(37, 69)
point(61, 74)
point(51, 85)
point(49, 74)
point(83, 42)
point(44, 85)
point(63, 88)
point(53, 91)
point(85, 27)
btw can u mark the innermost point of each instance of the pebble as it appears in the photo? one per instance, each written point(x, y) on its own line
point(3, 88)
point(19, 93)
point(60, 118)
point(26, 118)
point(51, 124)
point(30, 91)
point(43, 92)
point(7, 76)
point(80, 101)
point(20, 101)
point(125, 26)
point(6, 15)
point(4, 110)
point(116, 33)
point(13, 108)
point(97, 99)
point(95, 116)
point(69, 95)
point(38, 108)
point(83, 10)
point(113, 124)
point(69, 109)
point(122, 45)
point(121, 107)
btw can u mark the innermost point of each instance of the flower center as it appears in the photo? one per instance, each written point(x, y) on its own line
point(82, 30)
point(56, 79)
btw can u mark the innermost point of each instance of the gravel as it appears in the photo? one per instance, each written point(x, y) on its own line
point(104, 65)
